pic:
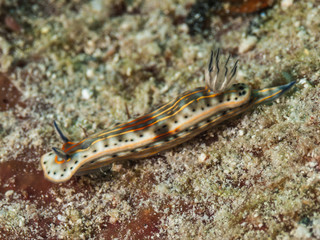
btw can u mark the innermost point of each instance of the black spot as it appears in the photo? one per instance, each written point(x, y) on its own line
point(185, 116)
point(244, 92)
point(208, 120)
point(131, 139)
point(133, 150)
point(65, 170)
point(202, 108)
point(54, 173)
point(147, 146)
point(62, 175)
point(45, 162)
point(50, 154)
point(193, 110)
point(240, 94)
point(241, 87)
point(175, 121)
point(94, 150)
point(106, 145)
point(91, 161)
point(71, 168)
point(126, 140)
point(228, 99)
point(115, 144)
point(114, 155)
point(236, 98)
point(161, 129)
point(85, 156)
point(120, 140)
point(167, 140)
point(208, 105)
point(76, 162)
point(141, 135)
point(220, 101)
point(48, 172)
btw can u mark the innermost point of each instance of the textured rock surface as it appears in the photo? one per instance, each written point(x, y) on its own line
point(81, 62)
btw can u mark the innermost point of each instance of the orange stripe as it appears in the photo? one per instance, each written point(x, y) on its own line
point(63, 148)
point(117, 129)
point(133, 145)
point(267, 89)
point(137, 129)
point(146, 120)
point(133, 130)
point(263, 99)
point(230, 114)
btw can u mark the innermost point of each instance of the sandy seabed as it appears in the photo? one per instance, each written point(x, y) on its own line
point(256, 176)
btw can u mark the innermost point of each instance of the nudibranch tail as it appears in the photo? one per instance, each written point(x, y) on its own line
point(269, 94)
point(216, 80)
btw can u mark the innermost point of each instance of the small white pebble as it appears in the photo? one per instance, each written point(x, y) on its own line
point(85, 94)
point(97, 5)
point(8, 193)
point(313, 164)
point(200, 54)
point(114, 216)
point(61, 218)
point(91, 43)
point(45, 29)
point(285, 4)
point(305, 83)
point(183, 28)
point(302, 34)
point(202, 157)
point(129, 71)
point(302, 232)
point(116, 167)
point(89, 73)
point(125, 26)
point(240, 132)
point(247, 44)
point(177, 75)
point(316, 228)
point(21, 221)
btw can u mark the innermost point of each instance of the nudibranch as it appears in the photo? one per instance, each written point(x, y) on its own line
point(171, 124)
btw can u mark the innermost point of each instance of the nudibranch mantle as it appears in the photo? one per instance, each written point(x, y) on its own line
point(173, 123)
